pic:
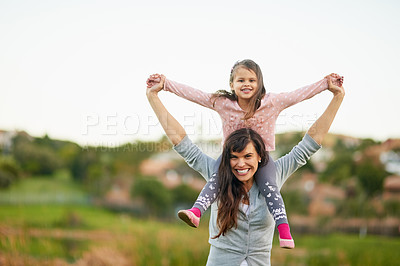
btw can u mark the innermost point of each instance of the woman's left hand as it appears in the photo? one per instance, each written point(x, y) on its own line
point(336, 90)
point(336, 79)
point(155, 83)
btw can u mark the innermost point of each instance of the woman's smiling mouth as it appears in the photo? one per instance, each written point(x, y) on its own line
point(242, 172)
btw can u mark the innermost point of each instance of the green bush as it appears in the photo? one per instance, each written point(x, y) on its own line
point(392, 208)
point(35, 159)
point(184, 195)
point(157, 199)
point(339, 169)
point(9, 171)
point(295, 202)
point(5, 179)
point(371, 176)
point(356, 207)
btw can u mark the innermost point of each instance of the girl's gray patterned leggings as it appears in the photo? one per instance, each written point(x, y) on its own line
point(266, 181)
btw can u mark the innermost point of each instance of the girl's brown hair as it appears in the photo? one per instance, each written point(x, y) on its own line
point(232, 190)
point(255, 101)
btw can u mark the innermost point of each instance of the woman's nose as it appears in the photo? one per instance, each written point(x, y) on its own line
point(241, 162)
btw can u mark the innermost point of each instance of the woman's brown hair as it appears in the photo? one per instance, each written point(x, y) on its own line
point(232, 190)
point(255, 101)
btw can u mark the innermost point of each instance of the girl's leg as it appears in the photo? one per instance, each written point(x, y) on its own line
point(265, 178)
point(206, 197)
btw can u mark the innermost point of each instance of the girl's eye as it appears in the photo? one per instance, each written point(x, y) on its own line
point(248, 155)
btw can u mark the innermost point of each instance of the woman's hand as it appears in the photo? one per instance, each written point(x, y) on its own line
point(321, 127)
point(155, 83)
point(172, 128)
point(336, 90)
point(336, 79)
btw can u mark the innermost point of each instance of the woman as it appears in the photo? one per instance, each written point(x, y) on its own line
point(241, 227)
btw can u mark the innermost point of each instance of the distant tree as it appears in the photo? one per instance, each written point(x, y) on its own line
point(184, 195)
point(296, 202)
point(365, 143)
point(341, 147)
point(371, 176)
point(132, 154)
point(98, 178)
point(36, 160)
point(342, 166)
point(285, 142)
point(339, 169)
point(359, 206)
point(5, 179)
point(97, 166)
point(45, 141)
point(9, 171)
point(67, 153)
point(81, 163)
point(392, 208)
point(156, 197)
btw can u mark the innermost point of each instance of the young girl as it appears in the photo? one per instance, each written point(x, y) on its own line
point(247, 105)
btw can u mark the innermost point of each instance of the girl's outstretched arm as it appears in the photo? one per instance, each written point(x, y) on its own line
point(175, 132)
point(320, 127)
point(283, 100)
point(184, 91)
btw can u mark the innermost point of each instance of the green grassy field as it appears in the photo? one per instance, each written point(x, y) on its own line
point(51, 232)
point(44, 235)
point(58, 189)
point(39, 234)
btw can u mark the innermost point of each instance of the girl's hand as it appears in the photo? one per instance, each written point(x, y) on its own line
point(155, 83)
point(336, 79)
point(336, 90)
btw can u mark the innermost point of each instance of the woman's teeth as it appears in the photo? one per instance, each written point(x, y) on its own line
point(242, 171)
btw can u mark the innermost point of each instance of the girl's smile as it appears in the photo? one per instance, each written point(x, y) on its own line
point(244, 84)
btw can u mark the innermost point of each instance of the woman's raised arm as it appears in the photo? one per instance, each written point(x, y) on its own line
point(175, 132)
point(320, 127)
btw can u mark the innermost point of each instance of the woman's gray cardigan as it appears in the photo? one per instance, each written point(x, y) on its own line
point(252, 239)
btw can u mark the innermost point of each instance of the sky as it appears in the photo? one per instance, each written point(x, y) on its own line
point(77, 70)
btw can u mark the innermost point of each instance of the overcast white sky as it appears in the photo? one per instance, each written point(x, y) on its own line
point(76, 70)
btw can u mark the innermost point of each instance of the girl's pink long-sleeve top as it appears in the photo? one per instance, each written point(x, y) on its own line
point(264, 119)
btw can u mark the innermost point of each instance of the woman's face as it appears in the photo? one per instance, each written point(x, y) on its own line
point(244, 164)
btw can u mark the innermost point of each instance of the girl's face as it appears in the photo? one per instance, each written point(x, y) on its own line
point(244, 164)
point(244, 84)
